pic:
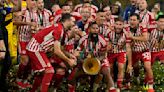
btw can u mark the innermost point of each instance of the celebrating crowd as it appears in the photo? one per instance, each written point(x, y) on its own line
point(53, 45)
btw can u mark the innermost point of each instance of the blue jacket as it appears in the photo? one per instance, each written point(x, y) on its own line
point(128, 11)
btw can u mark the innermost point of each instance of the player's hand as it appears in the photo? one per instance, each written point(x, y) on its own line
point(76, 53)
point(33, 25)
point(129, 69)
point(72, 62)
point(129, 35)
point(2, 55)
point(24, 59)
point(109, 47)
point(72, 56)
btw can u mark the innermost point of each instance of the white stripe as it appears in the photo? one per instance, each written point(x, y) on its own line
point(42, 62)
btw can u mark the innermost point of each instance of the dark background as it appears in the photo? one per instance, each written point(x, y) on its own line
point(49, 3)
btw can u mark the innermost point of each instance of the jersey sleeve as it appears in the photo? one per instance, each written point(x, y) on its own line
point(58, 33)
point(144, 29)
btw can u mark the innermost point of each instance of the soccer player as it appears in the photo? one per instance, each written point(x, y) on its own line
point(45, 40)
point(117, 53)
point(146, 17)
point(43, 14)
point(92, 44)
point(138, 48)
point(157, 41)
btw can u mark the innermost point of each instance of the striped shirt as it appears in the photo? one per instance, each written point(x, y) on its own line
point(118, 42)
point(25, 31)
point(43, 18)
point(88, 46)
point(57, 15)
point(147, 18)
point(104, 31)
point(138, 46)
point(44, 39)
point(157, 37)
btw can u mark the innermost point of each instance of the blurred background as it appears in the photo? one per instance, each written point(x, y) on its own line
point(49, 3)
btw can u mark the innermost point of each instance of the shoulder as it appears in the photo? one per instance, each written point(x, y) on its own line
point(143, 27)
point(102, 40)
point(48, 11)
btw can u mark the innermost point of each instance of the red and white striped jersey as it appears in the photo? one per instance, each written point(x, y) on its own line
point(79, 7)
point(118, 42)
point(44, 39)
point(25, 31)
point(86, 45)
point(112, 19)
point(57, 16)
point(104, 31)
point(76, 15)
point(146, 17)
point(156, 38)
point(43, 18)
point(69, 45)
point(138, 46)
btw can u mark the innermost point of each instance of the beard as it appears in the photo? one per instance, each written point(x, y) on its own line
point(94, 37)
point(118, 31)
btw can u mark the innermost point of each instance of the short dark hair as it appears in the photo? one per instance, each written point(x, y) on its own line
point(65, 17)
point(160, 17)
point(105, 7)
point(119, 19)
point(64, 5)
point(135, 14)
point(91, 24)
point(100, 10)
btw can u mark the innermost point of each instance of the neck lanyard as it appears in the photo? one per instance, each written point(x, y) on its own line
point(143, 16)
point(41, 18)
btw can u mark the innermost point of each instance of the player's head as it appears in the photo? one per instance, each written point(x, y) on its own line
point(66, 9)
point(31, 4)
point(68, 21)
point(93, 28)
point(142, 5)
point(72, 32)
point(119, 24)
point(156, 7)
point(55, 8)
point(133, 2)
point(93, 31)
point(100, 17)
point(160, 22)
point(85, 13)
point(107, 11)
point(134, 20)
point(40, 4)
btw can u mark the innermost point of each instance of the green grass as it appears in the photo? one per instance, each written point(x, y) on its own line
point(158, 71)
